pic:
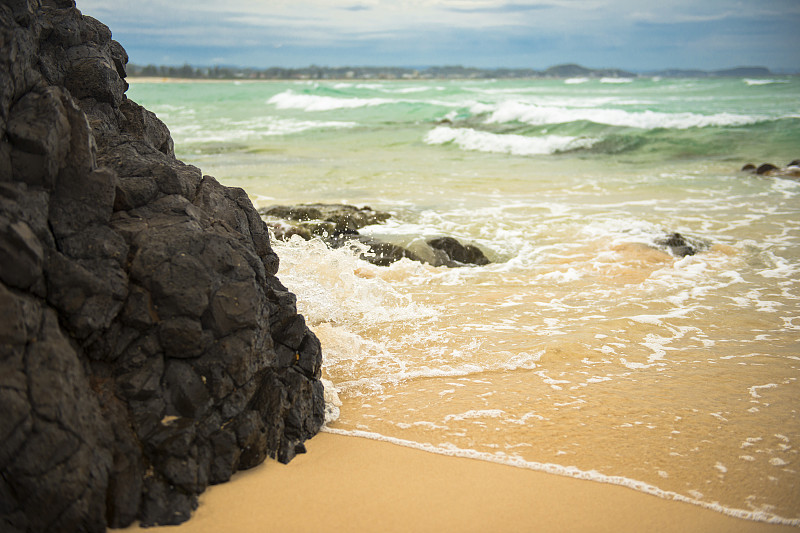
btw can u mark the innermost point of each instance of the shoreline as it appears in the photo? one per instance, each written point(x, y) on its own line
point(348, 483)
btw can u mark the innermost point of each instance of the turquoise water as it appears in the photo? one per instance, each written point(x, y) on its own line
point(584, 349)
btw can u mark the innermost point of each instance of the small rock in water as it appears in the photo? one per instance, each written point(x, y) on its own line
point(677, 245)
point(766, 167)
point(458, 254)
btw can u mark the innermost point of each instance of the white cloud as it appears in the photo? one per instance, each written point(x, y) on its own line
point(564, 30)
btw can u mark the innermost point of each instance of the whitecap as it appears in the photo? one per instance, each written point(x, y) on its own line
point(616, 80)
point(515, 111)
point(310, 102)
point(482, 141)
point(763, 81)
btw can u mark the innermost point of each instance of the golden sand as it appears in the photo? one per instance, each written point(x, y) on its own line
point(359, 485)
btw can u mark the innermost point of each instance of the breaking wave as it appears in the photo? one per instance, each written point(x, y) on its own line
point(483, 141)
point(515, 111)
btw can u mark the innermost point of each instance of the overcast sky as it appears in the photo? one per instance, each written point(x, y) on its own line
point(631, 34)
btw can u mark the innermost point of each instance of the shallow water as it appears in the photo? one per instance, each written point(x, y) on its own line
point(584, 348)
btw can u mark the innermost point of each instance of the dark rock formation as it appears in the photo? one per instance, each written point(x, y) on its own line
point(147, 349)
point(338, 224)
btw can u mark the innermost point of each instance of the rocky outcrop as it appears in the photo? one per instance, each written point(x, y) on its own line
point(327, 219)
point(337, 225)
point(147, 348)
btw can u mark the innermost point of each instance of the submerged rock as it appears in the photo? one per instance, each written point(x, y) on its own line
point(147, 348)
point(378, 252)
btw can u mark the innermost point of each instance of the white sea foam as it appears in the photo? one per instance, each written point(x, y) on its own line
point(482, 141)
point(616, 80)
point(410, 90)
point(575, 81)
point(332, 401)
point(573, 472)
point(516, 111)
point(248, 130)
point(344, 297)
point(754, 389)
point(310, 102)
point(476, 414)
point(763, 81)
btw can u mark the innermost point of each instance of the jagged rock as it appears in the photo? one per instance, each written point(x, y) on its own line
point(147, 348)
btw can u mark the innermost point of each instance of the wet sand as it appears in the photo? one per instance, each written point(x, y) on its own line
point(358, 485)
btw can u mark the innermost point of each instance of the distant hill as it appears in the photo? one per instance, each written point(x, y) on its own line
point(314, 72)
point(577, 71)
point(738, 72)
point(742, 72)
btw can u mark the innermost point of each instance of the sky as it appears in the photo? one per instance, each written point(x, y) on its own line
point(637, 35)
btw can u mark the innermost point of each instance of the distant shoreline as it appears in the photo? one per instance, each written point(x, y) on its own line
point(187, 73)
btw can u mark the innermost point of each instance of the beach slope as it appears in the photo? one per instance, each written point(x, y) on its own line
point(354, 484)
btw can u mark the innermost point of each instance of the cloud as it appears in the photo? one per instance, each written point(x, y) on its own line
point(504, 8)
point(530, 33)
point(679, 18)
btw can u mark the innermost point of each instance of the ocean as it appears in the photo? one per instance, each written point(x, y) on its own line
point(585, 348)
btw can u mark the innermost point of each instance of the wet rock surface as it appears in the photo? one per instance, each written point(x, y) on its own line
point(147, 348)
point(338, 224)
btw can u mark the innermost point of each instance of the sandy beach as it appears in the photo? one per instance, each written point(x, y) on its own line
point(358, 485)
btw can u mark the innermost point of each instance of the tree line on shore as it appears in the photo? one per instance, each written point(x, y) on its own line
point(314, 72)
